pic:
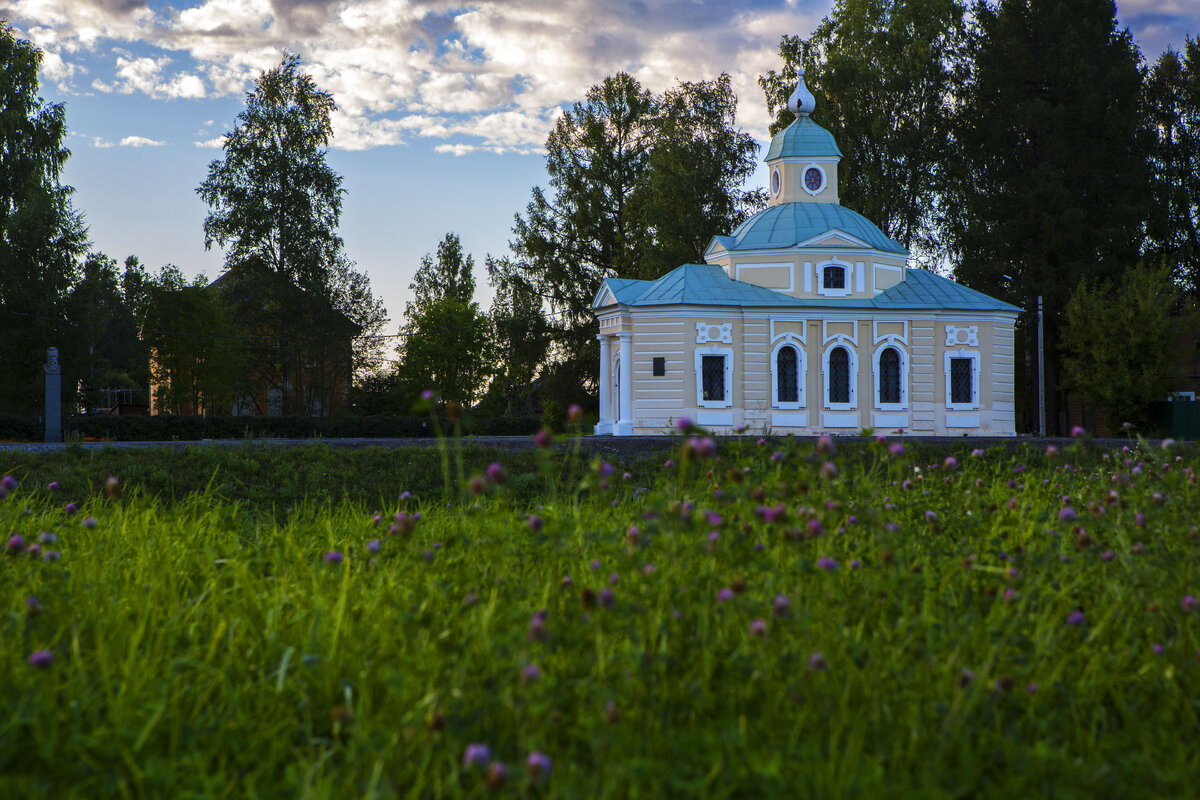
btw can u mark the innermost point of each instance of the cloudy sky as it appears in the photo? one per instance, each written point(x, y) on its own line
point(443, 106)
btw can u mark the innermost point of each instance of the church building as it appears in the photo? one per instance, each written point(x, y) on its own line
point(807, 319)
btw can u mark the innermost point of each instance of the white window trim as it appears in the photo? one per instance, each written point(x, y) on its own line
point(776, 182)
point(974, 356)
point(801, 373)
point(848, 284)
point(701, 352)
point(841, 341)
point(824, 178)
point(890, 342)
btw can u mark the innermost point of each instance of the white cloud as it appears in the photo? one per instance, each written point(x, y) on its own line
point(212, 144)
point(140, 141)
point(99, 142)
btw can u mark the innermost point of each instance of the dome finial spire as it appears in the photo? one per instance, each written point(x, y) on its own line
point(801, 103)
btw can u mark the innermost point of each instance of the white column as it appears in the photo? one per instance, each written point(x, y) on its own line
point(625, 423)
point(605, 425)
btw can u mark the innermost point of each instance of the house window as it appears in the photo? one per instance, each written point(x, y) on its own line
point(889, 376)
point(712, 376)
point(961, 380)
point(834, 278)
point(787, 375)
point(839, 375)
point(660, 366)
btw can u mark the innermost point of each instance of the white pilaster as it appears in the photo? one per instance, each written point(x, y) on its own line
point(605, 425)
point(625, 422)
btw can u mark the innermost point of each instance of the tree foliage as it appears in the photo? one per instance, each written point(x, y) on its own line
point(884, 72)
point(1047, 180)
point(109, 307)
point(638, 185)
point(274, 204)
point(41, 235)
point(1172, 101)
point(446, 343)
point(1116, 344)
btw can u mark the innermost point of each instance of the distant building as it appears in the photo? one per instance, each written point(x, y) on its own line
point(805, 319)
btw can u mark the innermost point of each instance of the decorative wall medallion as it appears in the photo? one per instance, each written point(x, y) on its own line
point(960, 336)
point(714, 332)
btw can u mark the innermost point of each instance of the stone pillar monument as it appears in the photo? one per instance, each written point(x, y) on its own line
point(53, 396)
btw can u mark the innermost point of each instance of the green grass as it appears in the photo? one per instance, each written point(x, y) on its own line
point(204, 647)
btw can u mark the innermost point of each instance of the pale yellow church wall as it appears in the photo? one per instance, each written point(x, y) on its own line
point(792, 183)
point(659, 401)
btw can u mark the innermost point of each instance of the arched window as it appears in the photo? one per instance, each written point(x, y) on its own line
point(834, 277)
point(889, 376)
point(839, 375)
point(787, 375)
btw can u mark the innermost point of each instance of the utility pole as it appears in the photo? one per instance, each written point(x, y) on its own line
point(1041, 374)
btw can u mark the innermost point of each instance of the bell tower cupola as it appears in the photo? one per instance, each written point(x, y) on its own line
point(803, 157)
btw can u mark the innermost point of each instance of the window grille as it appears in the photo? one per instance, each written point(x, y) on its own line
point(839, 376)
point(712, 373)
point(889, 376)
point(787, 384)
point(835, 278)
point(961, 375)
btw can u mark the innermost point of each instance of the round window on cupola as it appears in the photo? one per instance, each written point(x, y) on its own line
point(814, 179)
point(775, 182)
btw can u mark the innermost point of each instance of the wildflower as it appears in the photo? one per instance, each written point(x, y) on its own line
point(89, 522)
point(828, 471)
point(1107, 555)
point(1158, 649)
point(684, 424)
point(896, 449)
point(1010, 596)
point(1066, 514)
point(827, 564)
point(613, 578)
point(930, 516)
point(977, 453)
point(724, 595)
point(701, 446)
point(777, 456)
point(1166, 443)
point(33, 606)
point(45, 537)
point(1051, 451)
point(15, 545)
point(51, 555)
point(543, 439)
point(713, 518)
point(333, 557)
point(825, 444)
point(646, 570)
point(476, 485)
point(70, 508)
point(477, 755)
point(816, 661)
point(1139, 519)
point(855, 564)
point(41, 659)
point(813, 529)
point(1076, 618)
point(1138, 548)
point(427, 394)
point(531, 673)
point(575, 413)
point(33, 550)
point(595, 565)
point(669, 463)
point(771, 515)
point(780, 606)
point(52, 486)
point(373, 546)
point(1031, 688)
point(538, 766)
point(496, 775)
point(113, 487)
point(534, 522)
point(495, 473)
point(604, 469)
point(713, 536)
point(1188, 603)
point(607, 598)
point(758, 627)
point(761, 442)
point(950, 463)
point(8, 483)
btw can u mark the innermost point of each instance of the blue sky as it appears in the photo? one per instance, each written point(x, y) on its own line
point(444, 106)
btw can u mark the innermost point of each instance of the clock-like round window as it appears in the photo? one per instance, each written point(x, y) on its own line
point(775, 182)
point(814, 180)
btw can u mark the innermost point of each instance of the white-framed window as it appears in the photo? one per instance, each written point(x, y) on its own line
point(841, 376)
point(890, 367)
point(775, 182)
point(833, 278)
point(813, 179)
point(714, 377)
point(962, 379)
point(788, 371)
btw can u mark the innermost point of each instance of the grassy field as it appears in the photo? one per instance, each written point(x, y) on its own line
point(744, 620)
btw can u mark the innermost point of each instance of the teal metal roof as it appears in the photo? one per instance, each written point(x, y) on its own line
point(788, 224)
point(708, 285)
point(803, 139)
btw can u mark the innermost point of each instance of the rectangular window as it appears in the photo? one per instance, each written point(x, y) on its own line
point(712, 371)
point(961, 378)
point(660, 366)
